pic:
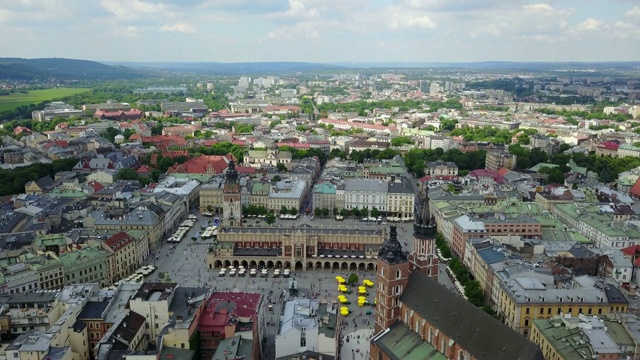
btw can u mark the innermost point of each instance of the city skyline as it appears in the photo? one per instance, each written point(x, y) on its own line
point(322, 31)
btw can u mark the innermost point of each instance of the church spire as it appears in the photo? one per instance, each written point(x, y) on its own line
point(424, 226)
point(232, 174)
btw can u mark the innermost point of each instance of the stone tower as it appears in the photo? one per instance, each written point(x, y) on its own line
point(231, 204)
point(393, 269)
point(423, 257)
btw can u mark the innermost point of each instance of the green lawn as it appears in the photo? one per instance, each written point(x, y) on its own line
point(12, 101)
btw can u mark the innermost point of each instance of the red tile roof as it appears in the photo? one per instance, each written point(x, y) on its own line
point(609, 145)
point(502, 172)
point(245, 169)
point(222, 307)
point(143, 169)
point(119, 241)
point(487, 172)
point(95, 185)
point(204, 164)
point(107, 114)
point(635, 189)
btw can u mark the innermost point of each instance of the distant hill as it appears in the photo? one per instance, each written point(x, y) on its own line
point(240, 68)
point(68, 69)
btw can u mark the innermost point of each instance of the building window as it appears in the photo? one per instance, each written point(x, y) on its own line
point(398, 274)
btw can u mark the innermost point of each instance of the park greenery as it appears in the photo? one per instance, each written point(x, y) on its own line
point(12, 181)
point(401, 140)
point(130, 174)
point(11, 101)
point(415, 159)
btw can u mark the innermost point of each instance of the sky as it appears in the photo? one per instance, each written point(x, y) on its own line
point(322, 30)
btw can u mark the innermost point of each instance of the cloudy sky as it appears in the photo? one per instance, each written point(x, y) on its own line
point(322, 30)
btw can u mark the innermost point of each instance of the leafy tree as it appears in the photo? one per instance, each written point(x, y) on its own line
point(317, 212)
point(270, 219)
point(110, 134)
point(284, 210)
point(325, 212)
point(356, 212)
point(352, 279)
point(364, 212)
point(293, 211)
point(401, 140)
point(337, 153)
point(343, 212)
point(374, 212)
point(281, 167)
point(244, 128)
point(275, 123)
point(127, 174)
point(262, 210)
point(335, 211)
point(276, 178)
point(130, 174)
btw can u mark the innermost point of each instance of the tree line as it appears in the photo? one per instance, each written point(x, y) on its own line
point(12, 181)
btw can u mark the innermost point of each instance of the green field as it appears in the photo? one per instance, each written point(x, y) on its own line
point(10, 102)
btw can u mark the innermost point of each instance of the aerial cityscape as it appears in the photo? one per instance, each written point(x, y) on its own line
point(289, 180)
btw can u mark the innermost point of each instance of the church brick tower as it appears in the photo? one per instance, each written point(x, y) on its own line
point(393, 269)
point(231, 204)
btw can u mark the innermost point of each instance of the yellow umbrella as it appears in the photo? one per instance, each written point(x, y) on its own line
point(343, 300)
point(362, 291)
point(363, 298)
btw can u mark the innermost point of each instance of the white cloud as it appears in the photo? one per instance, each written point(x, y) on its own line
point(300, 30)
point(589, 25)
point(179, 28)
point(131, 9)
point(328, 30)
point(633, 13)
point(539, 8)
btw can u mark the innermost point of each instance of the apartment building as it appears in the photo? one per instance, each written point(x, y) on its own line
point(220, 322)
point(152, 301)
point(628, 150)
point(592, 337)
point(140, 218)
point(360, 194)
point(121, 258)
point(498, 159)
point(325, 196)
point(532, 295)
point(307, 326)
point(85, 265)
point(400, 198)
point(33, 311)
point(465, 228)
point(441, 169)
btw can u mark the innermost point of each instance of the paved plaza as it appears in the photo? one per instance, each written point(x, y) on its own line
point(186, 264)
